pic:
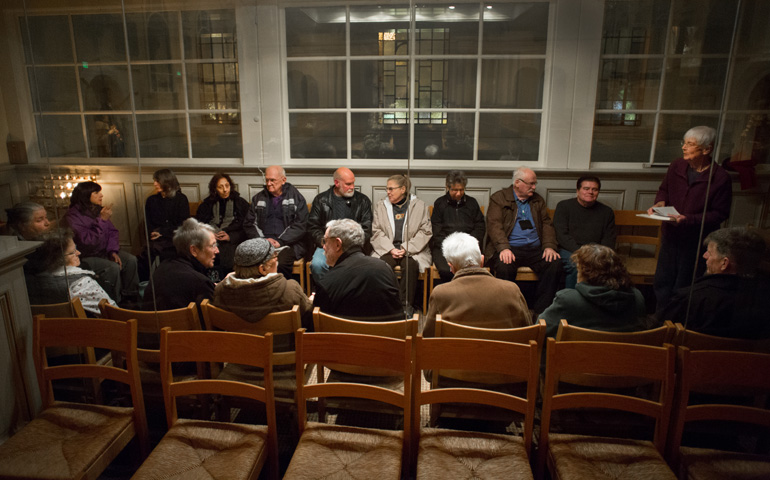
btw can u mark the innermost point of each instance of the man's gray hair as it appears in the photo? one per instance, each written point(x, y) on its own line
point(456, 176)
point(743, 246)
point(519, 173)
point(191, 233)
point(704, 136)
point(350, 232)
point(461, 250)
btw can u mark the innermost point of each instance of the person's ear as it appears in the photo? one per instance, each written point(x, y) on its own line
point(194, 251)
point(451, 268)
point(482, 260)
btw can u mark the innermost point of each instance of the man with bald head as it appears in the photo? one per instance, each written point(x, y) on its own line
point(279, 214)
point(338, 202)
point(520, 234)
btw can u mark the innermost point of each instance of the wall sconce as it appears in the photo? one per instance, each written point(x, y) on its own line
point(54, 191)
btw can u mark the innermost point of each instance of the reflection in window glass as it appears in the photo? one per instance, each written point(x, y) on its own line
point(162, 135)
point(99, 38)
point(694, 83)
point(671, 129)
point(318, 135)
point(451, 138)
point(105, 87)
point(444, 29)
point(512, 83)
point(158, 86)
point(209, 34)
point(515, 28)
point(110, 135)
point(509, 136)
point(379, 30)
point(379, 84)
point(631, 130)
point(703, 27)
point(54, 89)
point(753, 35)
point(747, 138)
point(628, 84)
point(379, 135)
point(60, 136)
point(750, 87)
point(213, 86)
point(318, 84)
point(49, 37)
point(153, 35)
point(446, 83)
point(637, 27)
point(315, 31)
point(216, 139)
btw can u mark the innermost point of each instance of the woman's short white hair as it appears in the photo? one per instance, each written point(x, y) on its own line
point(461, 250)
point(704, 136)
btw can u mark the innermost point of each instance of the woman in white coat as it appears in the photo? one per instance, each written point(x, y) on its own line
point(401, 233)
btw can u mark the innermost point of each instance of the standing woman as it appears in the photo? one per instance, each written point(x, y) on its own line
point(224, 210)
point(685, 188)
point(164, 212)
point(401, 233)
point(98, 241)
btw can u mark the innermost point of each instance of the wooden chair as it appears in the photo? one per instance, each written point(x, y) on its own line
point(655, 337)
point(75, 440)
point(194, 208)
point(352, 373)
point(457, 454)
point(701, 341)
point(723, 371)
point(579, 456)
point(278, 323)
point(328, 450)
point(299, 268)
point(633, 230)
point(207, 449)
point(149, 326)
point(71, 309)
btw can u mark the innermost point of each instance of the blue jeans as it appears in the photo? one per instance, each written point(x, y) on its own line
point(318, 266)
point(570, 270)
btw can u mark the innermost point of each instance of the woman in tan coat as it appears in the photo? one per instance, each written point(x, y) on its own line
point(401, 233)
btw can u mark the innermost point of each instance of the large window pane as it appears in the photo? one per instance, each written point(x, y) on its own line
point(746, 137)
point(99, 38)
point(702, 27)
point(60, 136)
point(162, 135)
point(105, 87)
point(209, 34)
point(628, 84)
point(635, 26)
point(212, 139)
point(750, 86)
point(379, 84)
point(694, 83)
point(153, 36)
point(509, 136)
point(446, 84)
point(318, 135)
point(49, 37)
point(213, 86)
point(512, 83)
point(312, 32)
point(753, 34)
point(54, 89)
point(450, 138)
point(318, 84)
point(671, 129)
point(379, 30)
point(444, 29)
point(632, 131)
point(379, 135)
point(110, 135)
point(520, 28)
point(158, 86)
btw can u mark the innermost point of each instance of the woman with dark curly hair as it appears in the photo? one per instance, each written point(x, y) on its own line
point(604, 297)
point(224, 210)
point(164, 212)
point(98, 241)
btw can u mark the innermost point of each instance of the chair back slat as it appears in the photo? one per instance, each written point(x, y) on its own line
point(702, 341)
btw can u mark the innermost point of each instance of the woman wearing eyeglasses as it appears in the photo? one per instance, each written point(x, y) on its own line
point(401, 233)
point(63, 274)
point(685, 187)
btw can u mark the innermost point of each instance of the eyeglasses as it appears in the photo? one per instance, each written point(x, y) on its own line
point(390, 189)
point(69, 254)
point(213, 245)
point(688, 144)
point(272, 180)
point(531, 184)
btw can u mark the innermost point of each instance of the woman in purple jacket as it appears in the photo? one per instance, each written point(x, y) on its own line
point(685, 187)
point(97, 240)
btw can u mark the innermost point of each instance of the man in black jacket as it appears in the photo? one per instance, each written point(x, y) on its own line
point(357, 286)
point(340, 201)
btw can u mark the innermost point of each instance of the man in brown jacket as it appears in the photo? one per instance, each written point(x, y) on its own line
point(474, 297)
point(520, 234)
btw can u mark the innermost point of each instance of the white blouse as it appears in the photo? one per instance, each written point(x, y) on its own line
point(85, 288)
